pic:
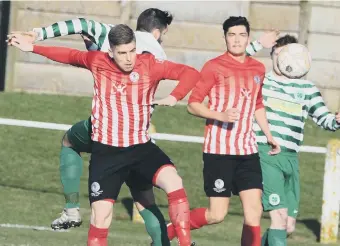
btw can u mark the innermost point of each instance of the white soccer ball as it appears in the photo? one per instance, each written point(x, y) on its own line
point(294, 60)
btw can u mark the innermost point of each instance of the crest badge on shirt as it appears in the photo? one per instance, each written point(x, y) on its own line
point(245, 93)
point(257, 79)
point(134, 77)
point(299, 96)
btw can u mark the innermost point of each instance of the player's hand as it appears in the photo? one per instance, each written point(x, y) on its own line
point(230, 115)
point(337, 117)
point(30, 37)
point(275, 146)
point(167, 101)
point(268, 39)
point(21, 44)
point(88, 43)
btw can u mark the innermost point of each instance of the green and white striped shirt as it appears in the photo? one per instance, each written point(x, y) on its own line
point(98, 33)
point(288, 103)
point(253, 47)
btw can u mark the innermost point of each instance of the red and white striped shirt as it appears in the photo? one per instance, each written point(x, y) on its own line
point(122, 102)
point(230, 84)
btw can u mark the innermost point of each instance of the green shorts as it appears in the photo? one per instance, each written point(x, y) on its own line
point(281, 181)
point(79, 135)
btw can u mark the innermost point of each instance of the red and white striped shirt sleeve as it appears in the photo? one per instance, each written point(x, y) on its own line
point(65, 55)
point(187, 76)
point(206, 82)
point(259, 99)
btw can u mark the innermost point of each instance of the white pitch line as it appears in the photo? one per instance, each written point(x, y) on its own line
point(156, 136)
point(30, 227)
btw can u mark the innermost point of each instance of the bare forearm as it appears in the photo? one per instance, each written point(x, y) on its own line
point(261, 119)
point(200, 110)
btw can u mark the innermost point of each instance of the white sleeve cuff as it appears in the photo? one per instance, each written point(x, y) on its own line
point(40, 34)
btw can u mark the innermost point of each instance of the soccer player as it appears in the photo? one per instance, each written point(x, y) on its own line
point(124, 88)
point(152, 25)
point(77, 139)
point(233, 83)
point(288, 103)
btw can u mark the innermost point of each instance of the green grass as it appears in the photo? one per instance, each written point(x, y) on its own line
point(31, 194)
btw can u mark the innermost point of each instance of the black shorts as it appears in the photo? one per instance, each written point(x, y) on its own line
point(111, 166)
point(227, 174)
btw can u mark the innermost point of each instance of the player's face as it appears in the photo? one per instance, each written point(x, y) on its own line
point(158, 34)
point(274, 59)
point(237, 39)
point(125, 56)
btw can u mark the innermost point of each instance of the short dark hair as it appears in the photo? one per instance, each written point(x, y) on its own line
point(235, 21)
point(287, 39)
point(121, 34)
point(152, 18)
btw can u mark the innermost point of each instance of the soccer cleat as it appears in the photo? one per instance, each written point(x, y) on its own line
point(70, 217)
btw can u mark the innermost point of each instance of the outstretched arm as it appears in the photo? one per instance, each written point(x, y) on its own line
point(320, 113)
point(267, 40)
point(92, 31)
point(187, 78)
point(58, 54)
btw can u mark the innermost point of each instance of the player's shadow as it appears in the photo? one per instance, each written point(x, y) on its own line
point(313, 225)
point(128, 204)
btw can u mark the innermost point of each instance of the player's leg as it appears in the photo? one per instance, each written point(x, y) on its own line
point(248, 184)
point(156, 167)
point(274, 199)
point(105, 181)
point(77, 139)
point(143, 196)
point(293, 194)
point(218, 173)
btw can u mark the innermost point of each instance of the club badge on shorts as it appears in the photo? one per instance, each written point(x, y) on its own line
point(95, 188)
point(274, 199)
point(134, 77)
point(219, 186)
point(257, 79)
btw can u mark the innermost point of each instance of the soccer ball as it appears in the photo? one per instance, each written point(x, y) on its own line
point(294, 60)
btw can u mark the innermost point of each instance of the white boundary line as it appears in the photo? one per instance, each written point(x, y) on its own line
point(30, 227)
point(156, 136)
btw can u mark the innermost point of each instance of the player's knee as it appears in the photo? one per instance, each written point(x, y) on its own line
point(101, 215)
point(175, 183)
point(101, 221)
point(279, 218)
point(252, 214)
point(168, 179)
point(65, 142)
point(178, 181)
point(216, 216)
